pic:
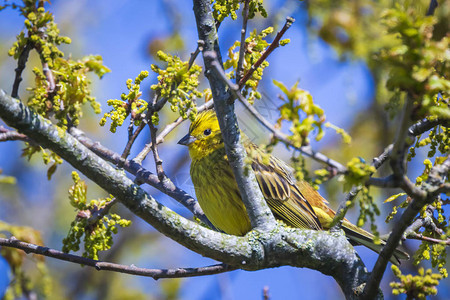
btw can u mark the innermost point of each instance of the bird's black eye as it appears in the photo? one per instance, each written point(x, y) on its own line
point(207, 132)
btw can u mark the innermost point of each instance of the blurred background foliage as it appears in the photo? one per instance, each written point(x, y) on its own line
point(335, 55)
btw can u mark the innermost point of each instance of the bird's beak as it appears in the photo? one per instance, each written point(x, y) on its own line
point(187, 140)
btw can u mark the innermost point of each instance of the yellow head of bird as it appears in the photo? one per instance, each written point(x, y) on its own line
point(204, 135)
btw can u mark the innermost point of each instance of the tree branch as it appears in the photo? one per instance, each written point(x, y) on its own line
point(194, 54)
point(21, 63)
point(11, 135)
point(132, 136)
point(385, 182)
point(414, 130)
point(328, 253)
point(421, 237)
point(242, 48)
point(158, 160)
point(275, 44)
point(12, 242)
point(432, 7)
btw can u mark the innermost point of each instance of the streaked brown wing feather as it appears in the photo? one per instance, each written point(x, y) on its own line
point(280, 191)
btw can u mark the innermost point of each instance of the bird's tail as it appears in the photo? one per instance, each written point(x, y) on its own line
point(359, 236)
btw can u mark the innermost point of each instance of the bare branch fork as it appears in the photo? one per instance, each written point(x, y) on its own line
point(107, 266)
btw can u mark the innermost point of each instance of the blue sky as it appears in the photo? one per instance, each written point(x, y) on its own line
point(119, 31)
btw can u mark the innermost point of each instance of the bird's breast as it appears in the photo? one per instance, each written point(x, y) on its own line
point(218, 193)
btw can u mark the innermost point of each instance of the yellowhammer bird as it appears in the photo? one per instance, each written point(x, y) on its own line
point(294, 202)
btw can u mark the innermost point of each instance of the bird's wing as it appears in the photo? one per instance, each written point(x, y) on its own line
point(279, 188)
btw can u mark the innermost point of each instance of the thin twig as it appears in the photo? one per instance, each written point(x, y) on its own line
point(273, 46)
point(385, 182)
point(21, 64)
point(277, 133)
point(242, 48)
point(423, 221)
point(11, 135)
point(154, 147)
point(132, 137)
point(95, 215)
point(51, 89)
point(418, 236)
point(158, 105)
point(194, 54)
point(49, 77)
point(107, 266)
point(432, 7)
point(266, 295)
